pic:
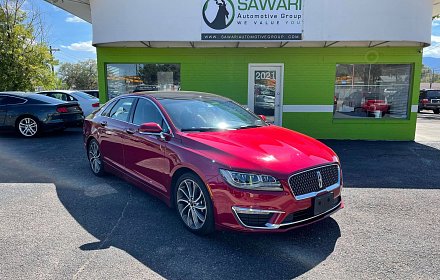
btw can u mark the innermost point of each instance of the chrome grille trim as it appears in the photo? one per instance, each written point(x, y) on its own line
point(313, 194)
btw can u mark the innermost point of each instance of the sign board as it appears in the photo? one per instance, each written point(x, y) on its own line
point(252, 20)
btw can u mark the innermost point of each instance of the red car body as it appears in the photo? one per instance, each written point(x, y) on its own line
point(372, 105)
point(154, 163)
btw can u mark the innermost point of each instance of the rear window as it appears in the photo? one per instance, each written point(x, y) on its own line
point(433, 94)
point(39, 98)
point(84, 95)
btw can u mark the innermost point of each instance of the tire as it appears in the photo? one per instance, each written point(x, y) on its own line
point(193, 204)
point(28, 127)
point(436, 111)
point(95, 158)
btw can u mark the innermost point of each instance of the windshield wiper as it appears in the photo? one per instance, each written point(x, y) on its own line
point(249, 126)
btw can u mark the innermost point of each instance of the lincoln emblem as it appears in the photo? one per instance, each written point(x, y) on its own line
point(319, 179)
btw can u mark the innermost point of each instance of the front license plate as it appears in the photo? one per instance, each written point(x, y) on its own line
point(323, 203)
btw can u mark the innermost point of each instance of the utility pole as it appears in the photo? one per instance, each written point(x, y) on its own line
point(51, 53)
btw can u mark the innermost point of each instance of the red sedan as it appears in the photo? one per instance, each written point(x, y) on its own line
point(219, 165)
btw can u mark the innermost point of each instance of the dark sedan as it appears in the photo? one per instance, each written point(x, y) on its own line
point(31, 114)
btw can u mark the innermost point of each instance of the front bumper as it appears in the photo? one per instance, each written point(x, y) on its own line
point(263, 211)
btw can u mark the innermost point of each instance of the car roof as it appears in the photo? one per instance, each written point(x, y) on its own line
point(178, 95)
point(58, 90)
point(34, 96)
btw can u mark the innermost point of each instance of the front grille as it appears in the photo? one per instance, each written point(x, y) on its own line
point(255, 220)
point(307, 181)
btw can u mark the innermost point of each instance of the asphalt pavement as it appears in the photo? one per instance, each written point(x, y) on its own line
point(58, 221)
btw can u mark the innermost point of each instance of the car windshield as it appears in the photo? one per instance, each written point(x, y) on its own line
point(84, 95)
point(209, 114)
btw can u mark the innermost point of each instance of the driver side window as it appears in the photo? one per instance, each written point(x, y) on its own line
point(147, 112)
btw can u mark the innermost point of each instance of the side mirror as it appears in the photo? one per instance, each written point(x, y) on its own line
point(150, 128)
point(263, 117)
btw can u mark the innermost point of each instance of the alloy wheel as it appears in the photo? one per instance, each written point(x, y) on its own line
point(191, 204)
point(28, 127)
point(95, 157)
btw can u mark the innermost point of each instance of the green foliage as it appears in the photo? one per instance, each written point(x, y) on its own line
point(81, 75)
point(25, 60)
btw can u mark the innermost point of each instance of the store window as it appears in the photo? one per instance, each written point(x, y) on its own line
point(128, 78)
point(372, 91)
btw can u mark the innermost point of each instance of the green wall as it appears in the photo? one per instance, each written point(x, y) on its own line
point(309, 77)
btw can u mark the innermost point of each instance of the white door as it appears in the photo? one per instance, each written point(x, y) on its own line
point(265, 93)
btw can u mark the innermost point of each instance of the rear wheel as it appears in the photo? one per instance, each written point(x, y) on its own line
point(95, 158)
point(436, 111)
point(28, 127)
point(194, 205)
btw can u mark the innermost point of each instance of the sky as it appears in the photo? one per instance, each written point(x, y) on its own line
point(70, 34)
point(73, 36)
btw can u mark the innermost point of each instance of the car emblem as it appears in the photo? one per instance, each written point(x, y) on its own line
point(319, 179)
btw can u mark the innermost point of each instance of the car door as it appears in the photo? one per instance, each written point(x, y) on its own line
point(111, 131)
point(3, 110)
point(145, 153)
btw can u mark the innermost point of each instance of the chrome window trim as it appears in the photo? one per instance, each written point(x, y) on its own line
point(313, 194)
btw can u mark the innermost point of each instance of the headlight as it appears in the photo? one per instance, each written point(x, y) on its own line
point(251, 181)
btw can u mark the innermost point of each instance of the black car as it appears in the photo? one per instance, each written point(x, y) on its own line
point(429, 99)
point(31, 114)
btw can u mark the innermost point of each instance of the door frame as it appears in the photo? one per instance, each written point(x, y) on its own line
point(278, 114)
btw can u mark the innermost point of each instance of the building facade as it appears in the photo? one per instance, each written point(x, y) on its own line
point(332, 69)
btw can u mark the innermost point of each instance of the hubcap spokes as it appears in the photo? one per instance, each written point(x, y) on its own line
point(28, 127)
point(191, 204)
point(95, 157)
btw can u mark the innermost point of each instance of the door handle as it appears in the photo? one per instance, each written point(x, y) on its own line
point(104, 123)
point(130, 130)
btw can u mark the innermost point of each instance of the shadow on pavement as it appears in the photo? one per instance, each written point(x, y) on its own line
point(122, 216)
point(381, 164)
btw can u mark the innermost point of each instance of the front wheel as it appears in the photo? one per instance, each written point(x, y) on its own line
point(194, 205)
point(28, 127)
point(95, 158)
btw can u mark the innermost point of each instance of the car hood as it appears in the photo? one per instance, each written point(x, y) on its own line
point(269, 149)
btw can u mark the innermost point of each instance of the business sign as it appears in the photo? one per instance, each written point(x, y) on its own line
point(252, 20)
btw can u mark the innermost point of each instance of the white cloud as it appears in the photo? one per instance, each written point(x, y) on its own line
point(81, 46)
point(433, 51)
point(436, 22)
point(435, 39)
point(75, 19)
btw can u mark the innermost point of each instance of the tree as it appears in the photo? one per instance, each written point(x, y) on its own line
point(25, 59)
point(81, 75)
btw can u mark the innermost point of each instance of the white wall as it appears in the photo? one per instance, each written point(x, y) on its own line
point(324, 20)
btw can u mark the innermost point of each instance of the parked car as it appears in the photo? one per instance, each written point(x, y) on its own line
point(429, 99)
point(87, 102)
point(92, 92)
point(31, 114)
point(371, 105)
point(219, 165)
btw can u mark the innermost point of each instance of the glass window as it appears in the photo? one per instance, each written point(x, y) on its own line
point(372, 91)
point(107, 109)
point(209, 114)
point(128, 78)
point(84, 95)
point(147, 112)
point(13, 101)
point(121, 110)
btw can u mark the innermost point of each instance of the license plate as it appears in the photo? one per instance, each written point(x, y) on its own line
point(323, 203)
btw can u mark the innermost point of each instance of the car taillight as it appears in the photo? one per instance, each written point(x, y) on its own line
point(95, 105)
point(62, 110)
point(424, 101)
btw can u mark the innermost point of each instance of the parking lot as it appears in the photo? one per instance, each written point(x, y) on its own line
point(58, 221)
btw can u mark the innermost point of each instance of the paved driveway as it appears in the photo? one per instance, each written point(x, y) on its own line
point(58, 221)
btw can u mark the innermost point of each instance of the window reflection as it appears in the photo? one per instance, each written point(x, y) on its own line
point(372, 90)
point(128, 78)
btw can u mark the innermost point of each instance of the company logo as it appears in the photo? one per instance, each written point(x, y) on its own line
point(319, 179)
point(225, 14)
